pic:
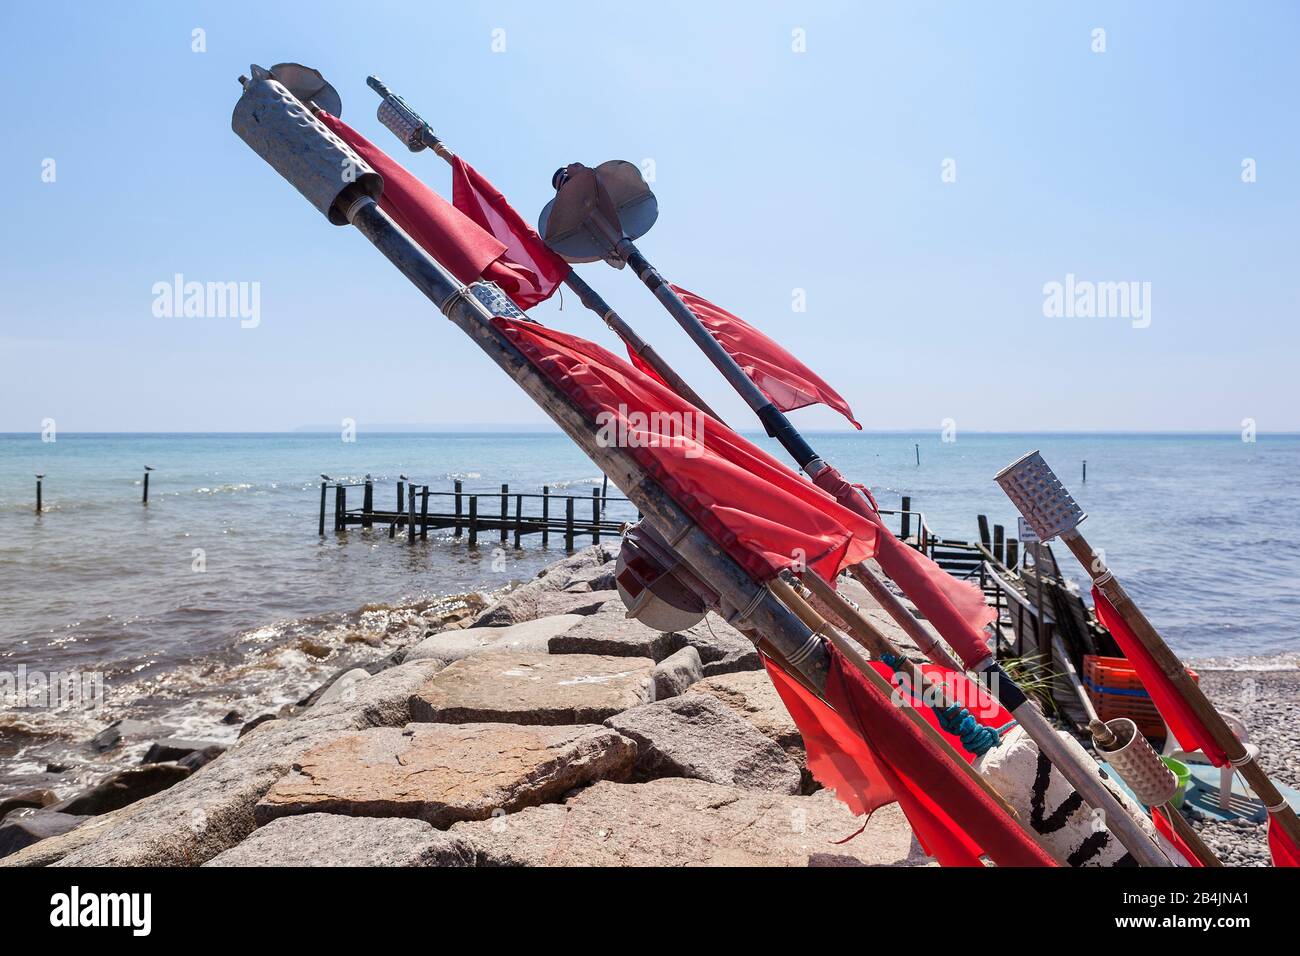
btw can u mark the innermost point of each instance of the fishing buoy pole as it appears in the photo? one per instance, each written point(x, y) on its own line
point(1039, 495)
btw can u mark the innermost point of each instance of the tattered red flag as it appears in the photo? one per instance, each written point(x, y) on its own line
point(1285, 852)
point(955, 608)
point(441, 230)
point(1183, 722)
point(842, 762)
point(766, 516)
point(779, 375)
point(837, 757)
point(532, 271)
point(863, 746)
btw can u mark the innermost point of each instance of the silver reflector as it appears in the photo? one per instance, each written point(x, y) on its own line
point(1039, 495)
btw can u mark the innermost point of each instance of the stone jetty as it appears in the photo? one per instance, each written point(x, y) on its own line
point(549, 730)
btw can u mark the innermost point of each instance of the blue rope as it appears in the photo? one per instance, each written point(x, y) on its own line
point(958, 721)
point(975, 737)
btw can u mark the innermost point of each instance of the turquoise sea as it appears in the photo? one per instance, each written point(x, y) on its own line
point(1203, 529)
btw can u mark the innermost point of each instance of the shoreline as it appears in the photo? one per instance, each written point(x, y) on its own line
point(568, 612)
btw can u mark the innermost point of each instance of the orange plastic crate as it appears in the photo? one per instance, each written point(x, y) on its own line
point(1115, 690)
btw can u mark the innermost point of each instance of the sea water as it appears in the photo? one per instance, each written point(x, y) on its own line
point(220, 594)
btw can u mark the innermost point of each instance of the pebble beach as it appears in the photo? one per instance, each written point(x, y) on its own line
point(1268, 702)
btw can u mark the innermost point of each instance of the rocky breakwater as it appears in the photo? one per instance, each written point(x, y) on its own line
point(552, 730)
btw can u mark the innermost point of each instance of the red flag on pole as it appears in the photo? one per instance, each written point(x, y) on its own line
point(779, 375)
point(842, 762)
point(1183, 723)
point(868, 748)
point(1285, 853)
point(838, 758)
point(955, 608)
point(445, 233)
point(764, 515)
point(531, 270)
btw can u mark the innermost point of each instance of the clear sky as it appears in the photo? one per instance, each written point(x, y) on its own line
point(775, 170)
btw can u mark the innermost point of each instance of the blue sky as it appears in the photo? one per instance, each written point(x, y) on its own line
point(775, 170)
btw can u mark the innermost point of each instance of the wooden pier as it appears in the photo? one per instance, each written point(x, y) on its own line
point(469, 514)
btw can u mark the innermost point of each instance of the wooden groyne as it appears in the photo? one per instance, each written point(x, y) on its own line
point(417, 509)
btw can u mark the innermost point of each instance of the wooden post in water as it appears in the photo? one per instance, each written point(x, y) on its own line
point(519, 511)
point(604, 495)
point(410, 513)
point(568, 522)
point(424, 512)
point(144, 500)
point(1038, 600)
point(1085, 470)
point(986, 539)
point(546, 514)
point(999, 536)
point(505, 510)
point(595, 516)
point(918, 455)
point(338, 507)
point(459, 488)
point(323, 486)
point(401, 496)
point(38, 493)
point(905, 523)
point(368, 504)
point(473, 521)
point(343, 508)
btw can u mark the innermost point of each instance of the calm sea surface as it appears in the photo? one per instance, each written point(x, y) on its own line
point(1204, 530)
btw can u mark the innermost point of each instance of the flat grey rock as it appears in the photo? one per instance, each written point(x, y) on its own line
point(531, 601)
point(751, 696)
point(441, 773)
point(326, 839)
point(716, 640)
point(699, 737)
point(521, 688)
point(343, 685)
point(681, 822)
point(533, 636)
point(610, 631)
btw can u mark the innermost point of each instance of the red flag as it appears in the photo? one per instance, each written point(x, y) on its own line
point(645, 366)
point(955, 820)
point(442, 231)
point(764, 515)
point(779, 375)
point(838, 758)
point(842, 762)
point(1285, 853)
point(530, 271)
point(1186, 727)
point(1167, 831)
point(955, 608)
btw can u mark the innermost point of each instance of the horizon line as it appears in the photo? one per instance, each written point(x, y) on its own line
point(524, 428)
